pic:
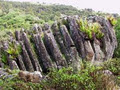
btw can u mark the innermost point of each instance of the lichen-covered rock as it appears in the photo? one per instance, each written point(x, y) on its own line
point(59, 39)
point(20, 62)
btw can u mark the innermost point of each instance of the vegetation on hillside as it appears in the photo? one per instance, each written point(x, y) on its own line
point(90, 77)
point(117, 30)
point(17, 15)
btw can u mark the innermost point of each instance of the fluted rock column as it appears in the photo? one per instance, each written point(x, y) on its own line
point(53, 48)
point(26, 58)
point(77, 37)
point(34, 61)
point(59, 40)
point(42, 53)
point(99, 54)
point(20, 63)
point(75, 59)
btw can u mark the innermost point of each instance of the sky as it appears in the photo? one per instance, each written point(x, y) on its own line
point(111, 6)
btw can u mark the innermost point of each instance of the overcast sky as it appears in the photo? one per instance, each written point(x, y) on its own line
point(111, 6)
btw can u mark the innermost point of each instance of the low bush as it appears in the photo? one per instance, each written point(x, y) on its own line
point(113, 65)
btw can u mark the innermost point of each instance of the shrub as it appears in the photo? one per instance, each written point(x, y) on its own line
point(14, 50)
point(90, 77)
point(66, 79)
point(113, 65)
point(90, 28)
point(112, 20)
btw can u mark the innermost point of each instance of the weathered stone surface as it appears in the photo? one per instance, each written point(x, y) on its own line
point(42, 52)
point(18, 35)
point(109, 41)
point(53, 48)
point(20, 63)
point(99, 54)
point(34, 77)
point(59, 39)
point(34, 61)
point(89, 51)
point(62, 46)
point(72, 52)
point(26, 58)
point(77, 37)
point(14, 64)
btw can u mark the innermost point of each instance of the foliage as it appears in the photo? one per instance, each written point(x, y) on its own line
point(17, 84)
point(113, 65)
point(14, 50)
point(66, 79)
point(16, 19)
point(112, 20)
point(17, 15)
point(3, 57)
point(117, 31)
point(90, 28)
point(90, 77)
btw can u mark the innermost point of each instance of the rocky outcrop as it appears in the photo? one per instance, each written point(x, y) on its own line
point(61, 45)
point(34, 77)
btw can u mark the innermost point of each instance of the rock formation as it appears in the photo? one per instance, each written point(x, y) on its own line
point(61, 45)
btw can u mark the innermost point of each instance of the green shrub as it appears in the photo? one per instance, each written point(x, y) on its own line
point(14, 50)
point(112, 20)
point(117, 31)
point(90, 28)
point(113, 65)
point(90, 77)
point(17, 84)
point(67, 79)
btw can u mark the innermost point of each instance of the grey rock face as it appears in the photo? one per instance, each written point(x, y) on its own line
point(42, 52)
point(61, 45)
point(89, 51)
point(26, 59)
point(77, 37)
point(72, 52)
point(34, 61)
point(53, 49)
point(109, 41)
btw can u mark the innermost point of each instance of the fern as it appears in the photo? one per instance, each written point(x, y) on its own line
point(90, 28)
point(14, 50)
point(112, 20)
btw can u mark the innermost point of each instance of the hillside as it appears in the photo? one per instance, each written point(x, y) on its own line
point(16, 15)
point(58, 47)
